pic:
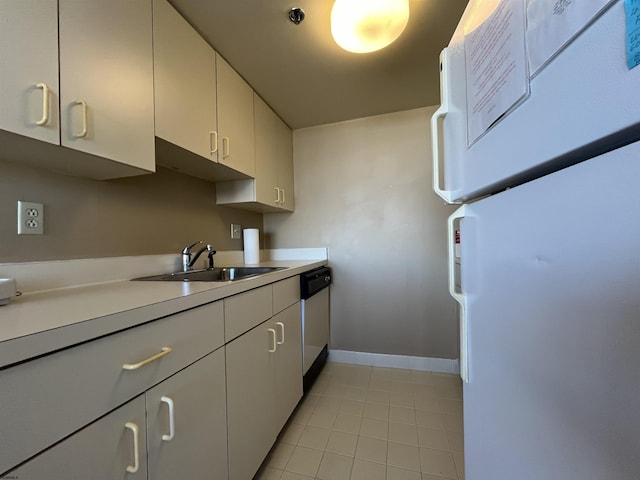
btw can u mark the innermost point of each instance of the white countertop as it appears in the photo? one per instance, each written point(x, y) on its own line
point(44, 321)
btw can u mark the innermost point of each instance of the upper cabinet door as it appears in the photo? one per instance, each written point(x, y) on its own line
point(185, 83)
point(285, 164)
point(266, 135)
point(106, 77)
point(235, 120)
point(29, 58)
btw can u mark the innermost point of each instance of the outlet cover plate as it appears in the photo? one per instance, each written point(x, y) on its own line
point(30, 218)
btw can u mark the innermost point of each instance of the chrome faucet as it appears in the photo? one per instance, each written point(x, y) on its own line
point(189, 260)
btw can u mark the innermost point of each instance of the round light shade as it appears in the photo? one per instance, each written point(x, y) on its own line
point(363, 26)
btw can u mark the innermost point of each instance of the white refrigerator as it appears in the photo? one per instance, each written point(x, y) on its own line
point(545, 263)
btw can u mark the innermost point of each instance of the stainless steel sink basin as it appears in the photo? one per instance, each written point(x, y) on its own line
point(218, 274)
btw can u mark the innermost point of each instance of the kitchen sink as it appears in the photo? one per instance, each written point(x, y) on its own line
point(217, 274)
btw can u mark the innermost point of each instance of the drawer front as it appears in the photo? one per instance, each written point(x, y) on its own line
point(244, 311)
point(47, 398)
point(285, 293)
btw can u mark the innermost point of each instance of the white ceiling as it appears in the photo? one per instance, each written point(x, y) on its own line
point(305, 77)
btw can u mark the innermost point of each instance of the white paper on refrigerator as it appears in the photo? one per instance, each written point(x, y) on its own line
point(496, 66)
point(552, 24)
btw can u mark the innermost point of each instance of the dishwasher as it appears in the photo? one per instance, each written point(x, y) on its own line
point(314, 295)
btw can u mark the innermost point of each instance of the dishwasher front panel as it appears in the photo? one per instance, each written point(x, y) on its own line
point(315, 325)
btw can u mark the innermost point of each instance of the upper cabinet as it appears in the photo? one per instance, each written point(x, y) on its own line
point(29, 81)
point(102, 104)
point(235, 120)
point(185, 84)
point(201, 127)
point(274, 158)
point(106, 79)
point(272, 188)
point(108, 89)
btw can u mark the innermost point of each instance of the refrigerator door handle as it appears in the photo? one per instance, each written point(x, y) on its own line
point(435, 130)
point(458, 296)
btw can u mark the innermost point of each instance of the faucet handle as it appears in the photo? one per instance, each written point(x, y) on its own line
point(187, 250)
point(211, 253)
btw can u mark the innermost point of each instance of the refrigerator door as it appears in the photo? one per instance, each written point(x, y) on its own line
point(551, 276)
point(584, 101)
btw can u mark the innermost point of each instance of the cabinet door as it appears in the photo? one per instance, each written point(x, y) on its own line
point(285, 164)
point(106, 62)
point(31, 25)
point(185, 83)
point(288, 362)
point(103, 450)
point(266, 144)
point(187, 421)
point(250, 400)
point(235, 120)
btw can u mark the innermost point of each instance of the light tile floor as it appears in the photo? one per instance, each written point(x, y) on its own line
point(372, 423)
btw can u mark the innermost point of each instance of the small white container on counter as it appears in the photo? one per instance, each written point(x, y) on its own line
point(7, 290)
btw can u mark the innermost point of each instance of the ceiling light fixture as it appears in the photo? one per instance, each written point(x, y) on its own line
point(363, 26)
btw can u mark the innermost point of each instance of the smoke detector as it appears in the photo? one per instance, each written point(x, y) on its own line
point(296, 15)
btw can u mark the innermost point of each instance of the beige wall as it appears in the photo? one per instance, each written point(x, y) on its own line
point(151, 214)
point(363, 189)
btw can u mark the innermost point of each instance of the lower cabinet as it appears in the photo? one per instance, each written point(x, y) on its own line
point(108, 449)
point(250, 400)
point(177, 429)
point(187, 423)
point(288, 363)
point(264, 385)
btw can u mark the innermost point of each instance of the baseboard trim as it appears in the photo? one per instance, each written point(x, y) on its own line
point(440, 365)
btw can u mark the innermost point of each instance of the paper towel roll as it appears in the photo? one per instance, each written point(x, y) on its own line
point(251, 245)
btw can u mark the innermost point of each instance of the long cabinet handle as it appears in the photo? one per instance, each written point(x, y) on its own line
point(226, 147)
point(281, 325)
point(168, 437)
point(274, 343)
point(213, 141)
point(277, 194)
point(283, 198)
point(83, 132)
point(136, 447)
point(135, 366)
point(458, 296)
point(45, 104)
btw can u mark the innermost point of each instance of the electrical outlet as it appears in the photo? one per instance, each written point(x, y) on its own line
point(236, 231)
point(30, 218)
